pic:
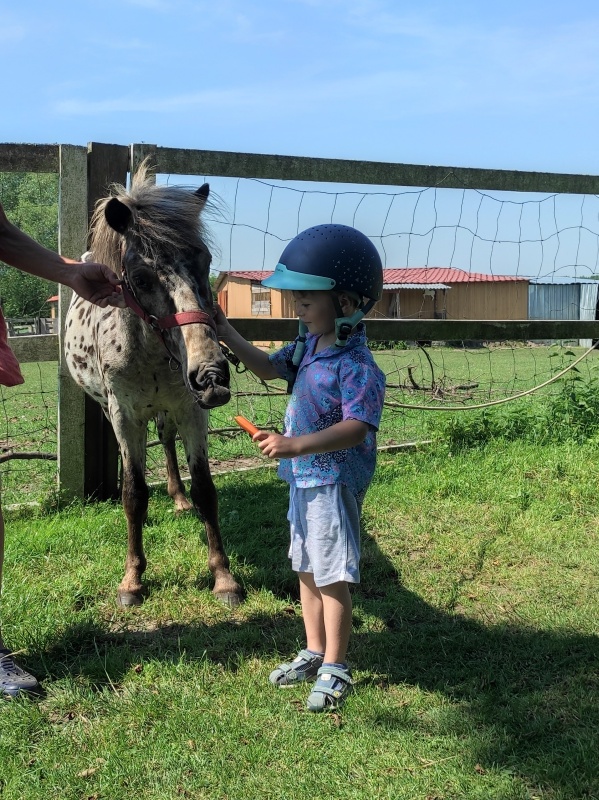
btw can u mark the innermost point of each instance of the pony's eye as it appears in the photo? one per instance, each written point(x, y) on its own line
point(142, 280)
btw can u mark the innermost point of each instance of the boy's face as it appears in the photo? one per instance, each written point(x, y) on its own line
point(316, 311)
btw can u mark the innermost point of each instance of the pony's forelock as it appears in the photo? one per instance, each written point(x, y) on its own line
point(165, 218)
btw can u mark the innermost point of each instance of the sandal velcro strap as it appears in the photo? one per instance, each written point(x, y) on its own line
point(304, 667)
point(327, 693)
point(325, 674)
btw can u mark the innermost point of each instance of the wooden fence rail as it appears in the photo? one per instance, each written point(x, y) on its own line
point(87, 452)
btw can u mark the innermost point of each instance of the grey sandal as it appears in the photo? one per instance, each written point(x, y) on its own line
point(14, 681)
point(304, 667)
point(330, 690)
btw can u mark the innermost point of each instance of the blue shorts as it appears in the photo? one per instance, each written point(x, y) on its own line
point(325, 533)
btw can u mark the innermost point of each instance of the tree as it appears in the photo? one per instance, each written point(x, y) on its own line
point(31, 202)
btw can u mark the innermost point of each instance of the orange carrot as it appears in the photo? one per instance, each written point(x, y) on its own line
point(247, 426)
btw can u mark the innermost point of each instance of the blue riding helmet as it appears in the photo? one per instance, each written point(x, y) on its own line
point(328, 257)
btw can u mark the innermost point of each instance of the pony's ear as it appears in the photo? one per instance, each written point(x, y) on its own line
point(117, 214)
point(202, 193)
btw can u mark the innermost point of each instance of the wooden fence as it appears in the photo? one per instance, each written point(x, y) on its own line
point(87, 450)
point(31, 326)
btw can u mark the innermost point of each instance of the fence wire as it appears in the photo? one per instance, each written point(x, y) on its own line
point(435, 376)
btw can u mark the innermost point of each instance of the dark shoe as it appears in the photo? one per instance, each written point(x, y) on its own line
point(14, 681)
point(330, 690)
point(304, 667)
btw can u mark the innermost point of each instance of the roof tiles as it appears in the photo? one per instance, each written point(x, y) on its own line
point(422, 275)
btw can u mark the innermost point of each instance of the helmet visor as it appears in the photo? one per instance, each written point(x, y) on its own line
point(283, 278)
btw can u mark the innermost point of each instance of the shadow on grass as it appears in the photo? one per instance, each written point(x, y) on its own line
point(520, 699)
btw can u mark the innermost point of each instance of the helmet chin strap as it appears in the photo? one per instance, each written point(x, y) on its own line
point(345, 325)
point(343, 328)
point(298, 354)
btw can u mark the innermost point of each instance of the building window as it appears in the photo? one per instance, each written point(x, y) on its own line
point(260, 299)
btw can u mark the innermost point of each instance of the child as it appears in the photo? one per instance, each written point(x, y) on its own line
point(328, 451)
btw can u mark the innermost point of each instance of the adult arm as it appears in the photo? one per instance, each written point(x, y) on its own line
point(94, 282)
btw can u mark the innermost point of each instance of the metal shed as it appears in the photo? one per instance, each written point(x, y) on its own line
point(563, 298)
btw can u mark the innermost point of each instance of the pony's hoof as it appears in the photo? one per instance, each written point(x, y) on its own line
point(182, 505)
point(230, 599)
point(126, 599)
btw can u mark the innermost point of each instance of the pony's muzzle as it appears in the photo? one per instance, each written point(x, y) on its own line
point(210, 385)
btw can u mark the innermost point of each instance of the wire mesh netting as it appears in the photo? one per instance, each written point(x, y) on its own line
point(545, 237)
point(436, 377)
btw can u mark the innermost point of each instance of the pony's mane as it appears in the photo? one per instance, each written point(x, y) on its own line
point(165, 218)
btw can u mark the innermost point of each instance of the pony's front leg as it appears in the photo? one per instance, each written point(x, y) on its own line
point(132, 440)
point(205, 501)
point(167, 433)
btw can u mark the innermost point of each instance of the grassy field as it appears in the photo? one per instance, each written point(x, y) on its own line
point(435, 377)
point(474, 648)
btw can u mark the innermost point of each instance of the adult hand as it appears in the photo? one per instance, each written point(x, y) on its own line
point(97, 283)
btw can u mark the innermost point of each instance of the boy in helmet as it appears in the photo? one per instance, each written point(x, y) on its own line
point(328, 450)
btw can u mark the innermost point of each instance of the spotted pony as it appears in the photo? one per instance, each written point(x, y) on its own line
point(159, 357)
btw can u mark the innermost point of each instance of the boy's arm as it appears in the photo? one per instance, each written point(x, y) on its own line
point(341, 436)
point(255, 359)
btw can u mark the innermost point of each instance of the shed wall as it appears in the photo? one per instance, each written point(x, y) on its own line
point(554, 301)
point(497, 300)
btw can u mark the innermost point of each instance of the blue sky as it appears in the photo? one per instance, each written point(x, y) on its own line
point(509, 85)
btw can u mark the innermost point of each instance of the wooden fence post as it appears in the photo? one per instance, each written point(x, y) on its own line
point(106, 164)
point(72, 239)
point(88, 458)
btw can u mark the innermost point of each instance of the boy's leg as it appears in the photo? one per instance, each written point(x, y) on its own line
point(14, 681)
point(337, 617)
point(312, 612)
point(306, 664)
point(334, 680)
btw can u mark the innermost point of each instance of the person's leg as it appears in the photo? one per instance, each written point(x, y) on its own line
point(306, 664)
point(312, 612)
point(337, 621)
point(14, 681)
point(1, 563)
point(334, 551)
point(334, 679)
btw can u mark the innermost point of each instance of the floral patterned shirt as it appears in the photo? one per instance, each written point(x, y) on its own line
point(336, 384)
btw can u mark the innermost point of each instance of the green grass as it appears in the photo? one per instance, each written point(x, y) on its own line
point(474, 646)
point(28, 412)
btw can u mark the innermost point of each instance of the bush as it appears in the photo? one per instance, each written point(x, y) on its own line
point(387, 344)
point(571, 415)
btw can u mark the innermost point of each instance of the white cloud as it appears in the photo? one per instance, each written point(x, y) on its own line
point(389, 65)
point(233, 98)
point(125, 45)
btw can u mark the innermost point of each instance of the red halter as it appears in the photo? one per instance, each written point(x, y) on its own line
point(159, 325)
point(170, 321)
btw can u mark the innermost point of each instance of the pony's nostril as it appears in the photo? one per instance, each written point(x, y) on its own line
point(202, 380)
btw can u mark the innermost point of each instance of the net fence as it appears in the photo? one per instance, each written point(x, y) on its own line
point(549, 241)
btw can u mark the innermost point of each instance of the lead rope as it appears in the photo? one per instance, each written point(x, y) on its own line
point(232, 359)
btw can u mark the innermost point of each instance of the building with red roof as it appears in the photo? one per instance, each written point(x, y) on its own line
point(409, 293)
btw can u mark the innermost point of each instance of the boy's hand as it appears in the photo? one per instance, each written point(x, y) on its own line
point(274, 445)
point(222, 323)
